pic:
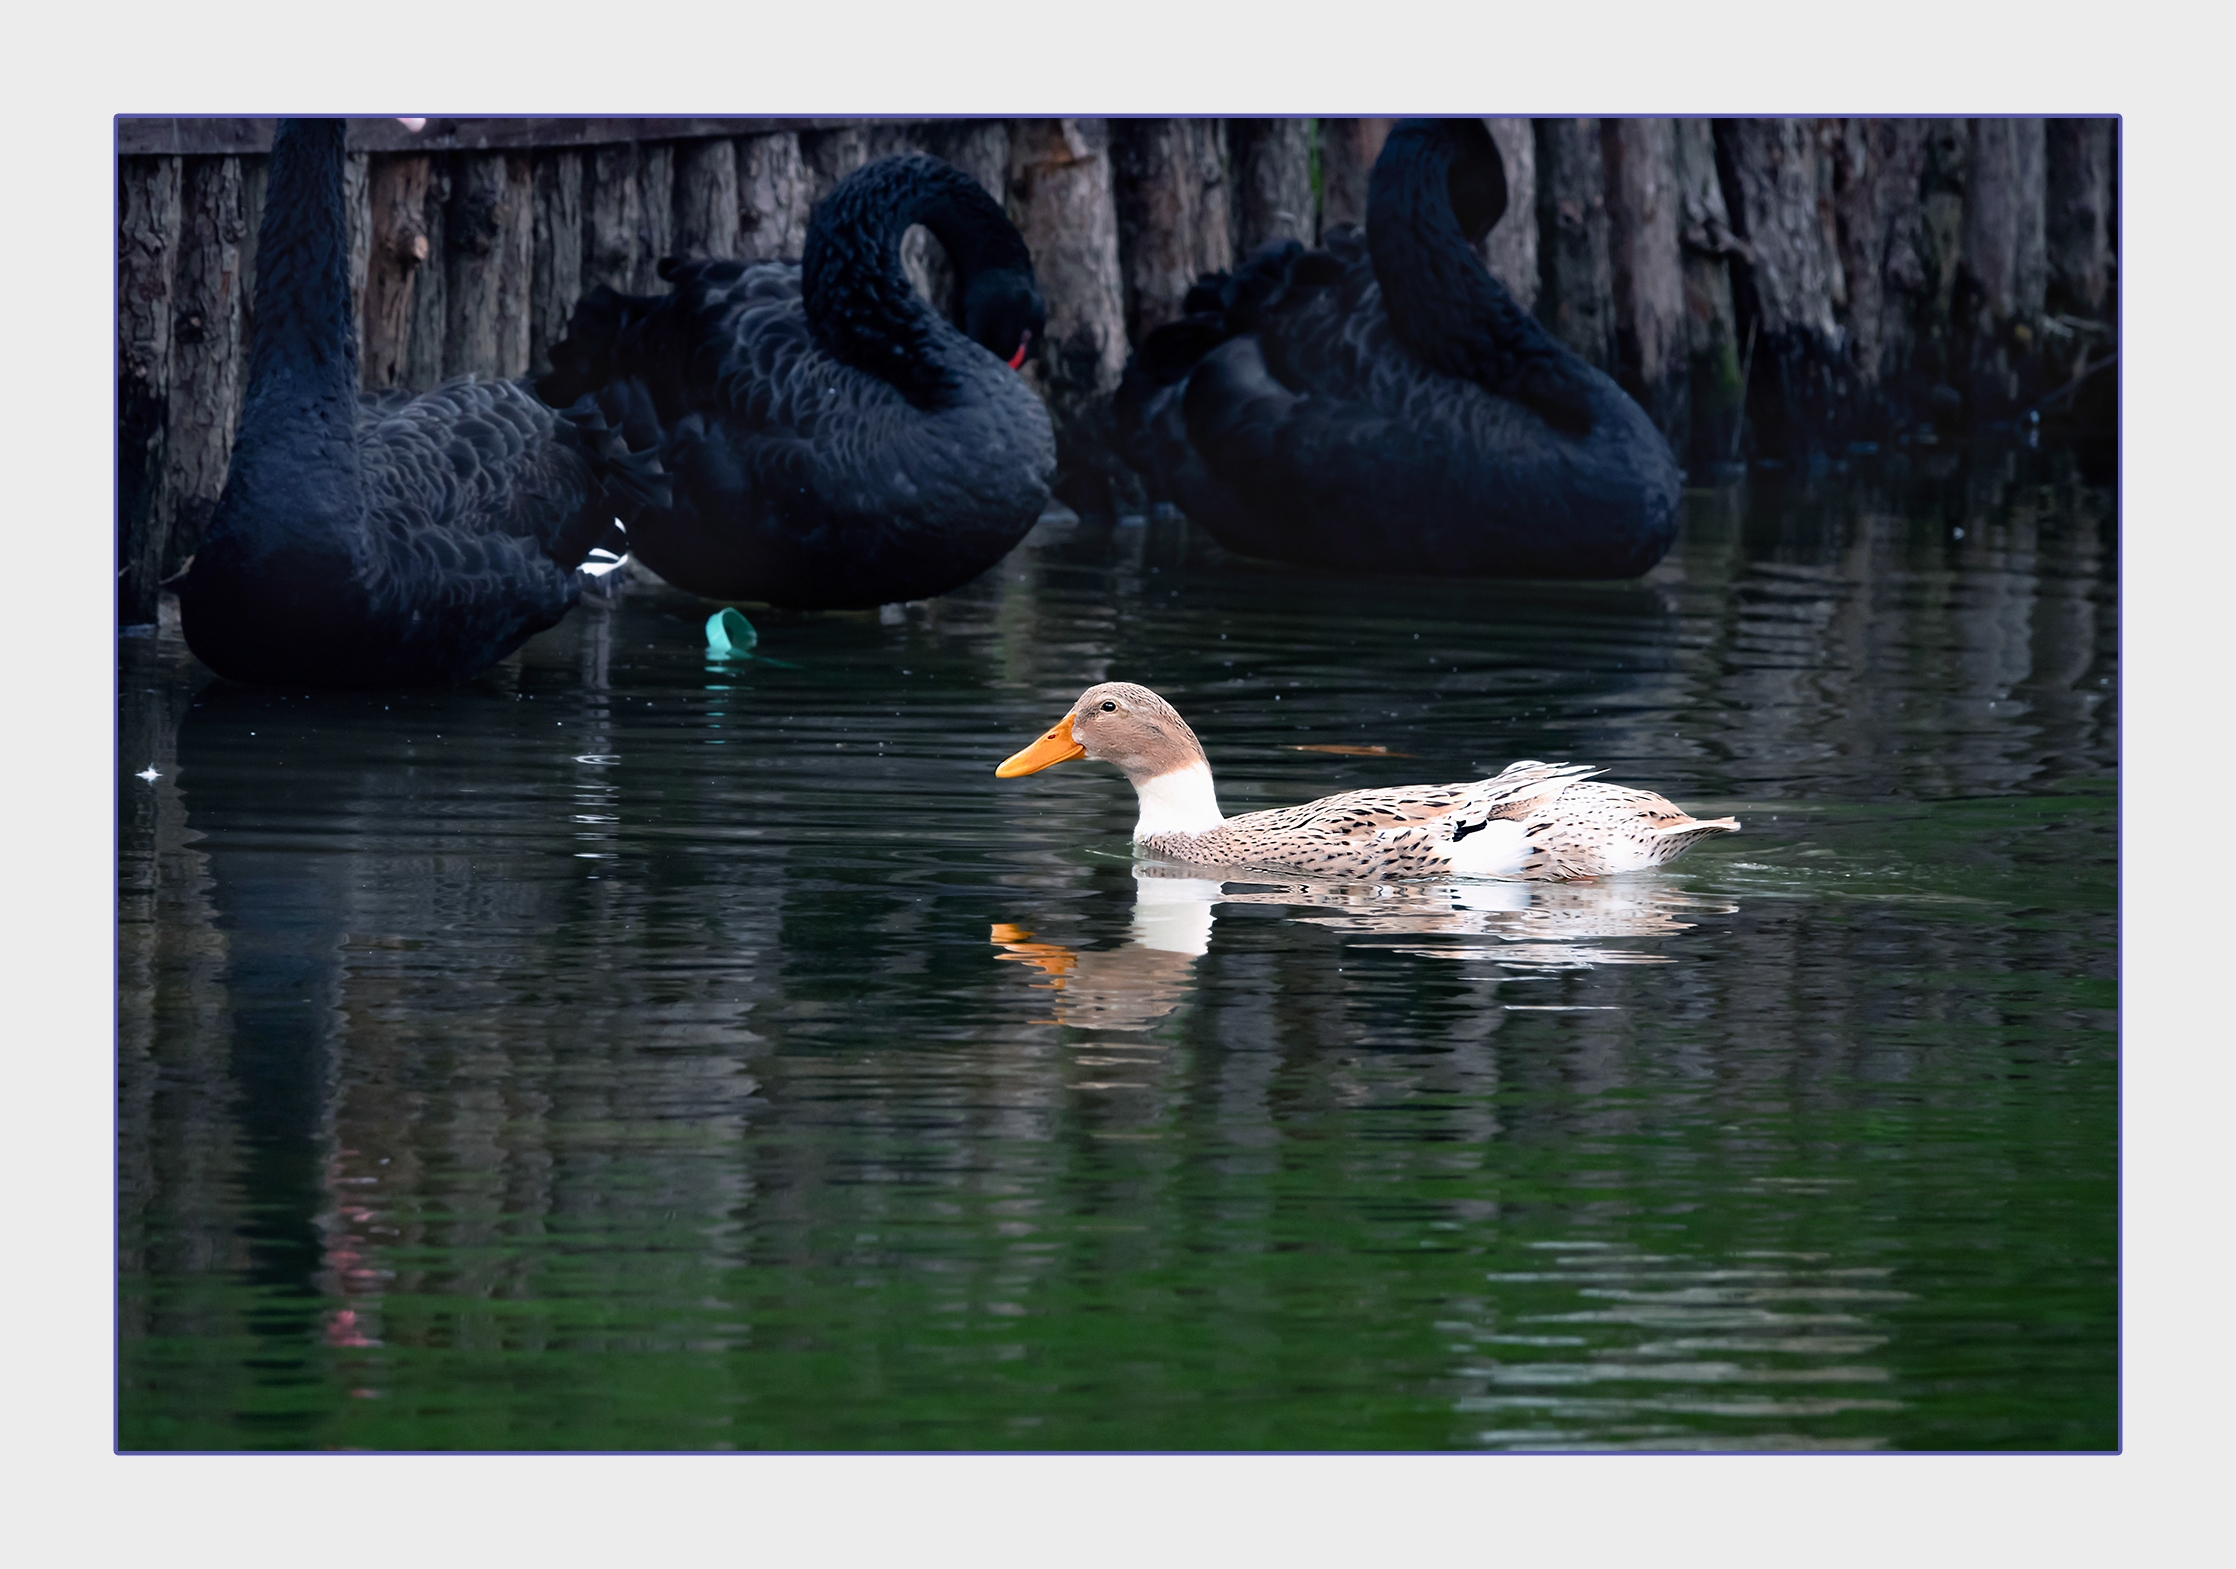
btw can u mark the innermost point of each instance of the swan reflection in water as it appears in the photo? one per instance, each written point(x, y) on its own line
point(1538, 927)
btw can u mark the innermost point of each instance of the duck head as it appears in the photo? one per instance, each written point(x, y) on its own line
point(1139, 733)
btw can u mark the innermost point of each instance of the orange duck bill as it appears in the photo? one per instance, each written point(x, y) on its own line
point(1055, 747)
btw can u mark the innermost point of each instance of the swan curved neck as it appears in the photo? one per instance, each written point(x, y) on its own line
point(860, 305)
point(1179, 801)
point(1434, 281)
point(305, 333)
point(294, 473)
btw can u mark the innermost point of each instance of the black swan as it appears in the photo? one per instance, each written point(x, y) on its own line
point(1383, 405)
point(384, 539)
point(825, 439)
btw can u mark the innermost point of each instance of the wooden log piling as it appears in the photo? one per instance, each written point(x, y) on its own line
point(1766, 288)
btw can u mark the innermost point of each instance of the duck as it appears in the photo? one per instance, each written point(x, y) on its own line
point(1382, 404)
point(382, 539)
point(812, 433)
point(1533, 821)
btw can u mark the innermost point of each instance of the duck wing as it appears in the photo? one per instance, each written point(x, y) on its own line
point(1405, 831)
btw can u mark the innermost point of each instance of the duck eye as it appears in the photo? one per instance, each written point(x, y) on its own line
point(1109, 708)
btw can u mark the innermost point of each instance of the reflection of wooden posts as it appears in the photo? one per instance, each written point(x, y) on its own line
point(1063, 202)
point(206, 358)
point(1576, 297)
point(146, 262)
point(1272, 182)
point(1510, 249)
point(1645, 269)
point(1169, 181)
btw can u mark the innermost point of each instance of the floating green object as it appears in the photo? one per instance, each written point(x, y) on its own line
point(730, 635)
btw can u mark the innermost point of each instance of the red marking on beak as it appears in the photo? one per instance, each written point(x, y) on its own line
point(1017, 360)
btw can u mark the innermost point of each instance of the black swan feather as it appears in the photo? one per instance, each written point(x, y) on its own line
point(812, 433)
point(1383, 404)
point(379, 539)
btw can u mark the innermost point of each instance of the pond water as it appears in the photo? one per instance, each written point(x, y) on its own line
point(635, 1050)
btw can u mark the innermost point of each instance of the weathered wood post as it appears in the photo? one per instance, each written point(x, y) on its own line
point(430, 316)
point(1712, 360)
point(556, 241)
point(1646, 268)
point(1778, 188)
point(830, 156)
point(1063, 202)
point(1878, 181)
point(397, 190)
point(1348, 149)
point(612, 217)
point(491, 228)
point(706, 197)
point(1510, 249)
point(357, 169)
point(206, 363)
point(2004, 275)
point(772, 196)
point(1272, 183)
point(2078, 237)
point(1170, 183)
point(148, 221)
point(1576, 291)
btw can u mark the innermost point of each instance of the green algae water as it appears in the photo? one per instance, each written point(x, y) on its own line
point(632, 1049)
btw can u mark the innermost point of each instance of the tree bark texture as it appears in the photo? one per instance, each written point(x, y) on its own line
point(1170, 182)
point(1348, 149)
point(254, 170)
point(2077, 216)
point(1878, 177)
point(613, 231)
point(488, 231)
point(1713, 369)
point(423, 351)
point(397, 189)
point(1576, 291)
point(357, 171)
point(1510, 249)
point(1272, 183)
point(1063, 202)
point(148, 225)
point(706, 198)
point(1645, 267)
point(1789, 288)
point(206, 365)
point(830, 156)
point(773, 186)
point(2003, 281)
point(556, 282)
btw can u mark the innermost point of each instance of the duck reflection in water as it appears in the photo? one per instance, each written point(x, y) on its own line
point(1538, 927)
